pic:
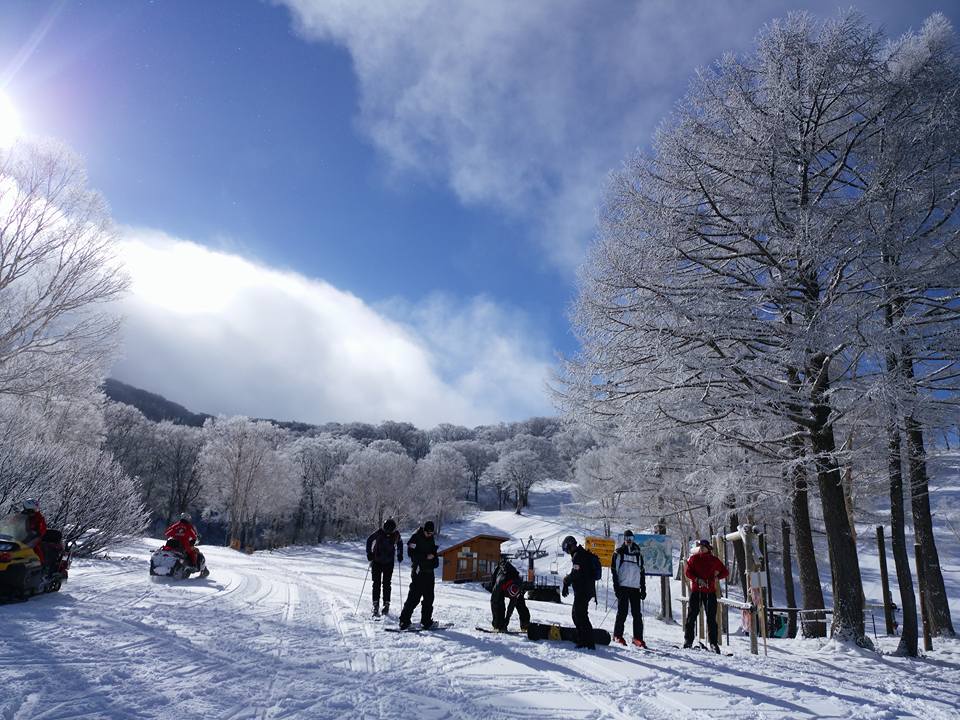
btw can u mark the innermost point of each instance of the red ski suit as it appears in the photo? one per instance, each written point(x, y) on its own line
point(187, 535)
point(707, 567)
point(37, 528)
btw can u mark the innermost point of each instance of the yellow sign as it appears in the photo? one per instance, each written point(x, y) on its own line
point(602, 547)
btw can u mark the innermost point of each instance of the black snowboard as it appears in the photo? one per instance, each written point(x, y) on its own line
point(500, 632)
point(540, 631)
point(417, 628)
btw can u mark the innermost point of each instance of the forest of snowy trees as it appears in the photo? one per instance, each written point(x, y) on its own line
point(777, 279)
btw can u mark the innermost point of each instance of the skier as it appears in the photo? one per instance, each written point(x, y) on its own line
point(382, 545)
point(630, 587)
point(704, 570)
point(422, 551)
point(581, 577)
point(184, 532)
point(506, 582)
point(36, 527)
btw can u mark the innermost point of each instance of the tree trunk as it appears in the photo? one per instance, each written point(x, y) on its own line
point(788, 576)
point(844, 565)
point(908, 602)
point(811, 590)
point(739, 556)
point(938, 607)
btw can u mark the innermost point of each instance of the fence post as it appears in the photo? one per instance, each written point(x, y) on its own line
point(885, 582)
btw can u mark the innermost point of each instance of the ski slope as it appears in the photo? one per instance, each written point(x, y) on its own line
point(276, 635)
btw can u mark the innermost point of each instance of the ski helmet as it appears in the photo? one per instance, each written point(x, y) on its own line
point(627, 534)
point(185, 517)
point(390, 525)
point(428, 526)
point(31, 504)
point(704, 543)
point(569, 544)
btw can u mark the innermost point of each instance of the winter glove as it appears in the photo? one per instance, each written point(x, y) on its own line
point(643, 594)
point(616, 589)
point(566, 591)
point(702, 583)
point(369, 557)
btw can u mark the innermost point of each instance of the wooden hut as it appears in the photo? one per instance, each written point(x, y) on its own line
point(472, 559)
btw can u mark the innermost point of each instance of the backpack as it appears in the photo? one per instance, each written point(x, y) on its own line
point(596, 565)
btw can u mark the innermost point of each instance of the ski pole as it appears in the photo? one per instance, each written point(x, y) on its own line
point(364, 585)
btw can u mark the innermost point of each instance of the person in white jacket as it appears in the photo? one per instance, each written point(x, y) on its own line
point(630, 585)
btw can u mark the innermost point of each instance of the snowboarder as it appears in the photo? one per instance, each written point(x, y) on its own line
point(507, 583)
point(704, 570)
point(583, 581)
point(422, 551)
point(382, 546)
point(184, 532)
point(630, 587)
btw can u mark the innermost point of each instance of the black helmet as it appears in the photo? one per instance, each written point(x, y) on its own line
point(186, 517)
point(569, 543)
point(390, 525)
point(428, 526)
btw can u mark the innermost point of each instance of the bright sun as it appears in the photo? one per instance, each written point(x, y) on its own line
point(9, 121)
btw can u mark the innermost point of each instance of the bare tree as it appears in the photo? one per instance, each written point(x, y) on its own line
point(57, 274)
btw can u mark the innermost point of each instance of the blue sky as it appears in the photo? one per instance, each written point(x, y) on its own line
point(389, 201)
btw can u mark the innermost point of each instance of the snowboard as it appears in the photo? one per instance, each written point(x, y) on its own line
point(700, 647)
point(541, 631)
point(417, 628)
point(500, 632)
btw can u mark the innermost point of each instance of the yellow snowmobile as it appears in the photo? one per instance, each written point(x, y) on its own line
point(21, 572)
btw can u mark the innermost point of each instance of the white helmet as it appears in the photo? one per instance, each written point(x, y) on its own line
point(31, 504)
point(185, 516)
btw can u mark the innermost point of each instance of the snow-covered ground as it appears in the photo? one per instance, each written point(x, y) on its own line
point(276, 635)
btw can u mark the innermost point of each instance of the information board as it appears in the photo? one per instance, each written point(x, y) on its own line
point(657, 551)
point(602, 547)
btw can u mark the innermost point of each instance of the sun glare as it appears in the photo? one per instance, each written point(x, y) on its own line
point(9, 122)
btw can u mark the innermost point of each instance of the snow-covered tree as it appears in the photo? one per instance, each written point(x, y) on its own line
point(441, 480)
point(58, 274)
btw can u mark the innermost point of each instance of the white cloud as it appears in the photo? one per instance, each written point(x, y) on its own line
point(222, 334)
point(525, 105)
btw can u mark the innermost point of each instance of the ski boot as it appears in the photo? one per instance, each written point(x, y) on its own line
point(640, 643)
point(687, 644)
point(619, 640)
point(404, 624)
point(385, 610)
point(715, 648)
point(376, 610)
point(428, 624)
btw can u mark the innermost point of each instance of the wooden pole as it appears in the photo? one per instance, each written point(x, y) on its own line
point(885, 582)
point(924, 616)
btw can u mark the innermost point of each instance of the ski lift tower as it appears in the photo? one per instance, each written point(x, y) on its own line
point(531, 551)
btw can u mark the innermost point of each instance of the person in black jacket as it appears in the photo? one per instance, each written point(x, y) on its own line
point(422, 551)
point(507, 583)
point(584, 590)
point(382, 545)
point(630, 586)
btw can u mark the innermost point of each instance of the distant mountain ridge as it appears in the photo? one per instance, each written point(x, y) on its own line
point(155, 407)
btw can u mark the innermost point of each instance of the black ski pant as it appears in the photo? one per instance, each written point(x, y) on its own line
point(501, 616)
point(382, 574)
point(709, 602)
point(581, 618)
point(629, 599)
point(421, 590)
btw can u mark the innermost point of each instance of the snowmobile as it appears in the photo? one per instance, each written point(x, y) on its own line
point(21, 572)
point(172, 560)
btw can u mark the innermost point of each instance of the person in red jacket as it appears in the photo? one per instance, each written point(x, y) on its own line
point(705, 571)
point(186, 534)
point(36, 527)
